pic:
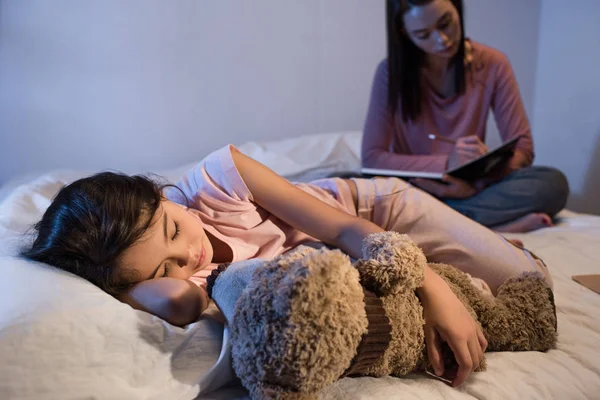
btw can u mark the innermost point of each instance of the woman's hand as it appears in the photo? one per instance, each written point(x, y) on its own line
point(453, 188)
point(447, 320)
point(466, 149)
point(519, 160)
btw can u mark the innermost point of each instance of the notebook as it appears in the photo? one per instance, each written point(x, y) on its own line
point(475, 169)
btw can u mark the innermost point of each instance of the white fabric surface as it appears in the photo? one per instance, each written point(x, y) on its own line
point(62, 338)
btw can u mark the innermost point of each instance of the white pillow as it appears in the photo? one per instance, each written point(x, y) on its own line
point(62, 337)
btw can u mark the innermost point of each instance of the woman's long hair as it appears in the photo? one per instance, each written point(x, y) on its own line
point(405, 60)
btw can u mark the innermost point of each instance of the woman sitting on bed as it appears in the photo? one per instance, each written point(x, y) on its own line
point(151, 249)
point(434, 81)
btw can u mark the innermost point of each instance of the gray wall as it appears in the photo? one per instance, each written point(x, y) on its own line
point(567, 107)
point(146, 84)
point(512, 26)
point(149, 84)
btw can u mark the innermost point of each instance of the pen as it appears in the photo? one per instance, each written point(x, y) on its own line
point(441, 138)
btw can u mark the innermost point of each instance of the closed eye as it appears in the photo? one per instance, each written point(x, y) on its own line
point(444, 24)
point(176, 231)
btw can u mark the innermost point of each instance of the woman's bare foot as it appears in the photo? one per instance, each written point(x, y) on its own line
point(527, 223)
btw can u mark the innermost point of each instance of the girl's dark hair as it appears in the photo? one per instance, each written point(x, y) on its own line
point(91, 222)
point(405, 60)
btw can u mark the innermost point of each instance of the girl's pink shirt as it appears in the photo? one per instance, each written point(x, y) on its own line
point(228, 211)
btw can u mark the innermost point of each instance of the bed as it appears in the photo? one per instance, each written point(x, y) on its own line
point(61, 337)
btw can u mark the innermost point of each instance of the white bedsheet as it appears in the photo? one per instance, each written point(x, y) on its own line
point(62, 338)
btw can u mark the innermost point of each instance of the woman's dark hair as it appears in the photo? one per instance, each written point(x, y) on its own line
point(405, 60)
point(91, 222)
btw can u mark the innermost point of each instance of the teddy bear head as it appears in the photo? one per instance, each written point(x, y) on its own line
point(297, 325)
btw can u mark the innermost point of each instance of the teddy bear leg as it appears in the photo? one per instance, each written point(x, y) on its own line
point(523, 317)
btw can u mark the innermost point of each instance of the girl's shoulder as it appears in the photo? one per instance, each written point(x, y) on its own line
point(214, 179)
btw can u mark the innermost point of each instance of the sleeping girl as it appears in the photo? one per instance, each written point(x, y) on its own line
point(151, 246)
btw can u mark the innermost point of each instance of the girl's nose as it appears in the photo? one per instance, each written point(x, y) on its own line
point(189, 257)
point(184, 256)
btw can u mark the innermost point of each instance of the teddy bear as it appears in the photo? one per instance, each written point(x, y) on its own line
point(312, 316)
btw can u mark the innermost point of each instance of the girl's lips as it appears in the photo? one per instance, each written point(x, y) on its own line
point(201, 258)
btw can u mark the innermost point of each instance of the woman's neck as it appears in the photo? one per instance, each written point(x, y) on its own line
point(437, 66)
point(439, 74)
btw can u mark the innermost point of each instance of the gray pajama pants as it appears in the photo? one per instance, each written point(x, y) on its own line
point(525, 191)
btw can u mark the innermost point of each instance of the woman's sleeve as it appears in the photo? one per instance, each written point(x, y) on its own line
point(380, 128)
point(509, 111)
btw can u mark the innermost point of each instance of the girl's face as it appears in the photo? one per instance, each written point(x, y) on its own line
point(434, 28)
point(174, 246)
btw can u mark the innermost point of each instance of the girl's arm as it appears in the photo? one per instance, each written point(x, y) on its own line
point(179, 302)
point(446, 317)
point(301, 210)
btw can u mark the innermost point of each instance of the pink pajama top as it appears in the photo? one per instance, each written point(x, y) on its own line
point(215, 188)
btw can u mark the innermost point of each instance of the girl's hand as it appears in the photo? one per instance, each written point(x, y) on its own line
point(447, 320)
point(453, 188)
point(466, 149)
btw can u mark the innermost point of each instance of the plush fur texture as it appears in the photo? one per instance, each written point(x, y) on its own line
point(297, 326)
point(393, 267)
point(391, 263)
